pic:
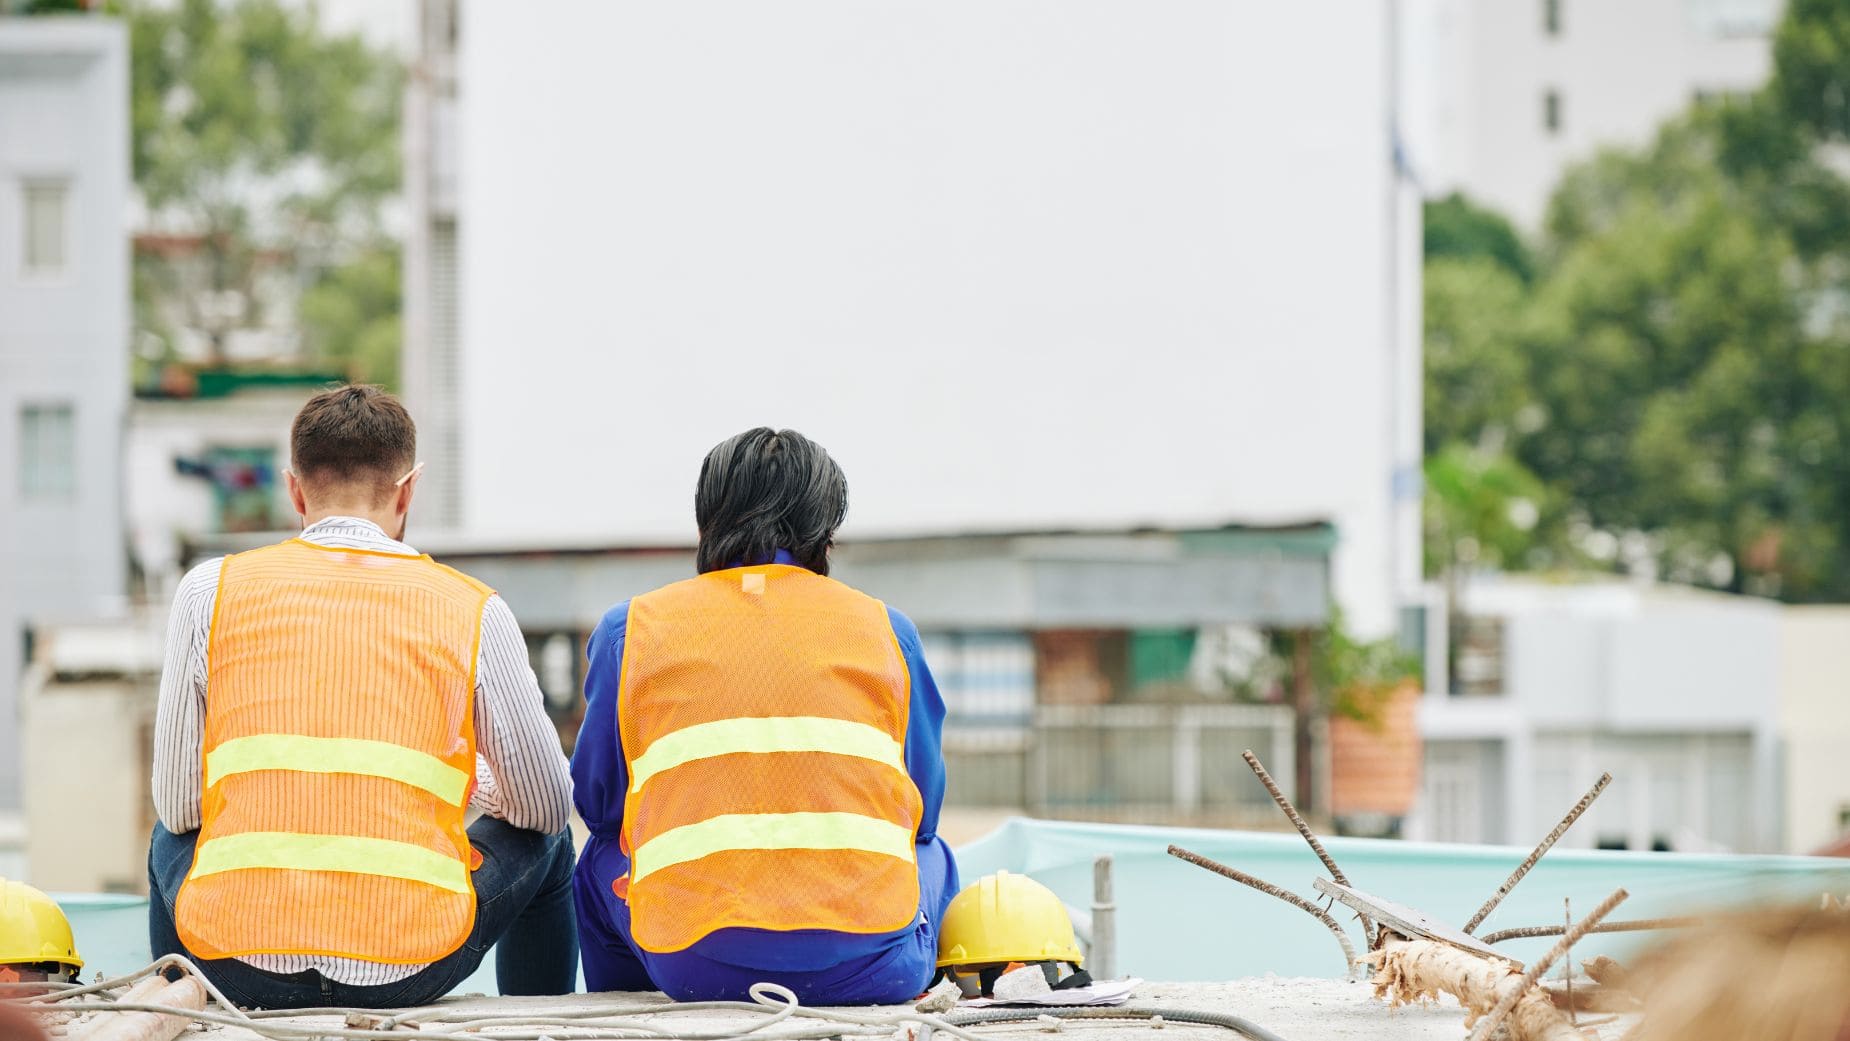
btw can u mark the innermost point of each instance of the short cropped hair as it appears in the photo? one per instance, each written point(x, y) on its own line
point(766, 490)
point(353, 435)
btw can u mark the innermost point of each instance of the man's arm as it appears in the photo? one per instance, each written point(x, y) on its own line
point(532, 789)
point(180, 715)
point(924, 726)
point(599, 773)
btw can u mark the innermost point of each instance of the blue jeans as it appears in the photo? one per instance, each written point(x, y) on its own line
point(823, 968)
point(523, 893)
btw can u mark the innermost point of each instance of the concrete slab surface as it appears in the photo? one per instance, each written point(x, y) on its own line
point(1293, 1009)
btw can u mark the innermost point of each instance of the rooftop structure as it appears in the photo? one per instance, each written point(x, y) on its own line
point(64, 327)
point(1721, 716)
point(1100, 239)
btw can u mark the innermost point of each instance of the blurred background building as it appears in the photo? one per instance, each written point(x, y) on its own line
point(64, 329)
point(1173, 417)
point(1515, 92)
point(1096, 265)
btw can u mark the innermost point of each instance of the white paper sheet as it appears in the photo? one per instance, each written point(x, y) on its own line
point(1102, 992)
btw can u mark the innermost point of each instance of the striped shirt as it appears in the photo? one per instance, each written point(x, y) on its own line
point(521, 773)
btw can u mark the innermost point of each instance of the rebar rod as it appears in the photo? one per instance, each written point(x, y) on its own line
point(1291, 813)
point(1634, 926)
point(1297, 820)
point(1546, 844)
point(1271, 890)
point(1496, 1015)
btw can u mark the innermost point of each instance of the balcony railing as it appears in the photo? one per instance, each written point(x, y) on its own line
point(1167, 764)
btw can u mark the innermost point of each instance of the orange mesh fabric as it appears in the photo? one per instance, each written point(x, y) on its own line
point(747, 645)
point(316, 643)
point(790, 782)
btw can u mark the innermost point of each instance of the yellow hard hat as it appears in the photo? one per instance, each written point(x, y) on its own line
point(33, 928)
point(1006, 918)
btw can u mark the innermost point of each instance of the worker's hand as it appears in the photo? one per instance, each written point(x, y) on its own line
point(16, 1025)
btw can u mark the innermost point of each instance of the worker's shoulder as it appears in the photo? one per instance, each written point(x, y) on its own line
point(615, 619)
point(903, 627)
point(901, 624)
point(470, 582)
point(200, 580)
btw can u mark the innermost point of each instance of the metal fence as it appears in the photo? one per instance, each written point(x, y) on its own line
point(1152, 763)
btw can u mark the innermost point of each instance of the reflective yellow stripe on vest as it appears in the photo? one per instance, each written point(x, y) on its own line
point(765, 734)
point(338, 755)
point(756, 831)
point(362, 856)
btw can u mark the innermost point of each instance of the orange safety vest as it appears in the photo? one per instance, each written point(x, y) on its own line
point(762, 712)
point(339, 758)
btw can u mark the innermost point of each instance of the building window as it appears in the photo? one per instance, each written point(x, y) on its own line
point(1551, 111)
point(1551, 17)
point(47, 452)
point(1725, 19)
point(1477, 662)
point(47, 227)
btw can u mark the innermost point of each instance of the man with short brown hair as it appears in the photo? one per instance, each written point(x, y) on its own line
point(330, 708)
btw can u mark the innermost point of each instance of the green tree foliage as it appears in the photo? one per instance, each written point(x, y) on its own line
point(1811, 67)
point(1677, 377)
point(1482, 509)
point(42, 6)
point(1477, 380)
point(1673, 353)
point(260, 139)
point(350, 316)
point(1456, 228)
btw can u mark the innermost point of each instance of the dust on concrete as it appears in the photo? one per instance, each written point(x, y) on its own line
point(1295, 1009)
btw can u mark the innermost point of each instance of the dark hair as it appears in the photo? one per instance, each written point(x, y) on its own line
point(766, 490)
point(353, 434)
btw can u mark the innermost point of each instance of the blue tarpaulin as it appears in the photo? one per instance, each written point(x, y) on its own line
point(1178, 922)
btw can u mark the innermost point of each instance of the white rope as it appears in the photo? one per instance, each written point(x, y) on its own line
point(774, 1005)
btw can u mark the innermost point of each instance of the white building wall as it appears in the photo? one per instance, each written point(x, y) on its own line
point(429, 363)
point(1017, 265)
point(1676, 692)
point(63, 335)
point(1619, 68)
point(1815, 722)
point(166, 508)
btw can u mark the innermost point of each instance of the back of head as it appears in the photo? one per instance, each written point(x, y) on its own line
point(352, 444)
point(766, 490)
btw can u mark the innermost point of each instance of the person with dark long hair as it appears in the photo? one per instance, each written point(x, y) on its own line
point(760, 763)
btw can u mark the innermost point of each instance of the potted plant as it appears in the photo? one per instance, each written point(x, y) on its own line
point(1373, 693)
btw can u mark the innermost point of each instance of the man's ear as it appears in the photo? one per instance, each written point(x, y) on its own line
point(296, 497)
point(401, 503)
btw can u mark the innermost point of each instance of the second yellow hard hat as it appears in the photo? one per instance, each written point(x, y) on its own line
point(33, 928)
point(1006, 918)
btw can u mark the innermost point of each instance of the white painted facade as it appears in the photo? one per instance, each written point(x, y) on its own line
point(1814, 717)
point(89, 697)
point(64, 325)
point(1721, 719)
point(167, 509)
point(1017, 265)
point(430, 359)
point(1478, 104)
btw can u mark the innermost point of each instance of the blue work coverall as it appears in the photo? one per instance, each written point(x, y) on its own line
point(822, 966)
